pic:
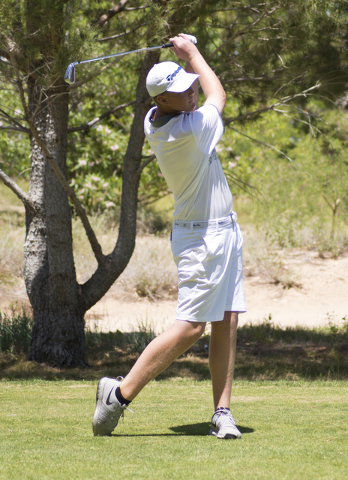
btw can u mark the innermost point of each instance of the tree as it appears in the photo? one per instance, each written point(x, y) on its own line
point(38, 38)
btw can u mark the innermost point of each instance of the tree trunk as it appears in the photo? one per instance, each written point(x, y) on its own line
point(49, 271)
point(58, 302)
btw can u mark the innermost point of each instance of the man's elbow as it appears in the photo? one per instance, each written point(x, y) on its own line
point(218, 100)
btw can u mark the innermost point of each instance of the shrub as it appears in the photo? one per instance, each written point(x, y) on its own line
point(15, 331)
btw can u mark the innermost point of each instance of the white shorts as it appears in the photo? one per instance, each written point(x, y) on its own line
point(210, 269)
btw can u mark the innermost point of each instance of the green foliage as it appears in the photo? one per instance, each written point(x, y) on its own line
point(298, 168)
point(267, 333)
point(238, 63)
point(265, 351)
point(14, 145)
point(44, 34)
point(262, 53)
point(95, 162)
point(15, 331)
point(133, 342)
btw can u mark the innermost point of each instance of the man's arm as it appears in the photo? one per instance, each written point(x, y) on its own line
point(211, 86)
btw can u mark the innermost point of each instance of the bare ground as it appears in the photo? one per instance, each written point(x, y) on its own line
point(319, 295)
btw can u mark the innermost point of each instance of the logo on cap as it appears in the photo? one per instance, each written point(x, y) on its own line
point(170, 77)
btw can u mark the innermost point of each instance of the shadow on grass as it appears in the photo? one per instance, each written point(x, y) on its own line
point(190, 430)
point(202, 429)
point(264, 352)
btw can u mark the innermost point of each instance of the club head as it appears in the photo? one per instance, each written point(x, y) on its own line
point(69, 76)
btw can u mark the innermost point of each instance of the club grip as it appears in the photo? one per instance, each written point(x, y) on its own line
point(167, 45)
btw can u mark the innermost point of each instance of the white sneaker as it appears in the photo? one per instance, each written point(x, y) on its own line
point(223, 425)
point(108, 409)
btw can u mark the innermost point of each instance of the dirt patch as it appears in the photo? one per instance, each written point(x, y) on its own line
point(321, 297)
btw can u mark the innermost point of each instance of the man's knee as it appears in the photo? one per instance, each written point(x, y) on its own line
point(197, 329)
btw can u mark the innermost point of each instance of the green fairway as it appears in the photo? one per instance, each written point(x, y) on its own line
point(291, 430)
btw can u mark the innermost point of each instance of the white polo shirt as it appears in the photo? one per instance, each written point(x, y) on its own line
point(185, 149)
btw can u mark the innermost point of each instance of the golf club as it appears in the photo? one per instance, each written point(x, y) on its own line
point(70, 71)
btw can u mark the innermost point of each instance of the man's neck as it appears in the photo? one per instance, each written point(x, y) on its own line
point(160, 112)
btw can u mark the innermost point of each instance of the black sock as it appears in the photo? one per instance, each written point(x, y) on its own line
point(120, 397)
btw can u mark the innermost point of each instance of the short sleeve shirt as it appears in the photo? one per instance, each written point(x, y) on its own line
point(185, 151)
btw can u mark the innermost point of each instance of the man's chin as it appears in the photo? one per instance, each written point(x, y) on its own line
point(190, 108)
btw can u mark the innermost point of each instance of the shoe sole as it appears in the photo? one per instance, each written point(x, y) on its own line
point(96, 413)
point(224, 437)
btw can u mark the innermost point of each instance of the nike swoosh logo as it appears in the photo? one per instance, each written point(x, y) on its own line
point(108, 399)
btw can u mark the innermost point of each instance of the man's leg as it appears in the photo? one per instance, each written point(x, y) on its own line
point(222, 353)
point(159, 354)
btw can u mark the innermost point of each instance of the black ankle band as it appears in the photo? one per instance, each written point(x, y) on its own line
point(120, 397)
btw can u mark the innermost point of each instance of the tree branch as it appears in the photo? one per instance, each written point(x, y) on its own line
point(144, 164)
point(111, 13)
point(227, 121)
point(240, 7)
point(120, 34)
point(328, 202)
point(24, 197)
point(89, 125)
point(282, 101)
point(16, 129)
point(265, 144)
point(239, 33)
point(6, 117)
point(79, 208)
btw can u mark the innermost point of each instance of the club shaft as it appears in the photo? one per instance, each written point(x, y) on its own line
point(166, 45)
point(70, 71)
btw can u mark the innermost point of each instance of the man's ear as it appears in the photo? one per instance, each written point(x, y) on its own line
point(161, 99)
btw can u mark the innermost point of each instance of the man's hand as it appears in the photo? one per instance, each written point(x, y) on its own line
point(211, 86)
point(184, 48)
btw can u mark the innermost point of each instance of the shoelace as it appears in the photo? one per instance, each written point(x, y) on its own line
point(226, 414)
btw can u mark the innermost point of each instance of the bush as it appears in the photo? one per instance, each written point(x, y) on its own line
point(134, 342)
point(15, 331)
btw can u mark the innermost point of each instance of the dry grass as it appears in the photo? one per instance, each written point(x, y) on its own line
point(263, 259)
point(12, 235)
point(151, 271)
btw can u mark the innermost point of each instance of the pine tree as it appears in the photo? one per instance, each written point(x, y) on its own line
point(261, 51)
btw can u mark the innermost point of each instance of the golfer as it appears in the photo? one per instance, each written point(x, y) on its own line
point(206, 240)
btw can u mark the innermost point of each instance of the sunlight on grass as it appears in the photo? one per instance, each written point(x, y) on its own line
point(8, 198)
point(289, 430)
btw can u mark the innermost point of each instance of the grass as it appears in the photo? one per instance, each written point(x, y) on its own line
point(290, 430)
point(264, 260)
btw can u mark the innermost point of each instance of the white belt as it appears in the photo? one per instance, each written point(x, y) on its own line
point(231, 218)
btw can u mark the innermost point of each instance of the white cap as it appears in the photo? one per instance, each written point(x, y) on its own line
point(168, 77)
